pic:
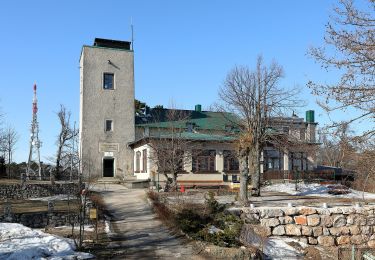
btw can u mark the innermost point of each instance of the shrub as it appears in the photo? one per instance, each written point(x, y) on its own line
point(212, 204)
point(189, 221)
point(228, 236)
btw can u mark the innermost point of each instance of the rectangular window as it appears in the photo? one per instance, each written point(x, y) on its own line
point(170, 160)
point(231, 161)
point(108, 125)
point(204, 161)
point(273, 160)
point(108, 81)
point(302, 134)
point(144, 160)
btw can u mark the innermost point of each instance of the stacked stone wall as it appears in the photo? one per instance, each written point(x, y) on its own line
point(41, 219)
point(323, 226)
point(17, 191)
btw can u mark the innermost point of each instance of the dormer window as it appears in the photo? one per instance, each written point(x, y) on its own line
point(228, 128)
point(190, 127)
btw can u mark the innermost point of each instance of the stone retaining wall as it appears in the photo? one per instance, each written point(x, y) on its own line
point(323, 226)
point(16, 191)
point(40, 219)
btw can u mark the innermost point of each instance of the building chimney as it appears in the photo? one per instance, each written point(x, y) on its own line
point(310, 118)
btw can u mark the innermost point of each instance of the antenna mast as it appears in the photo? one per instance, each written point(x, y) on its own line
point(132, 29)
point(34, 141)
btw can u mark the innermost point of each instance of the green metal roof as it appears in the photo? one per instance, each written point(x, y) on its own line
point(204, 120)
point(198, 137)
point(188, 136)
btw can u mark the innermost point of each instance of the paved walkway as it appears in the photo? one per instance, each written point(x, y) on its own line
point(135, 231)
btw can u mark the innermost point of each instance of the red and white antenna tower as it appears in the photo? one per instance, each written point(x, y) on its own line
point(34, 142)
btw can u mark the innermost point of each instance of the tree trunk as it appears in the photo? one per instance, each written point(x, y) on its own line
point(174, 183)
point(58, 159)
point(244, 175)
point(9, 161)
point(255, 180)
point(168, 182)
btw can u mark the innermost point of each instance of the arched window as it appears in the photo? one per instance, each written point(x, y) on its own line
point(138, 161)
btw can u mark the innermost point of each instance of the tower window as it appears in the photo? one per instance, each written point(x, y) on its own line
point(108, 125)
point(108, 80)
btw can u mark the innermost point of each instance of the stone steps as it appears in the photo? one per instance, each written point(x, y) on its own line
point(108, 180)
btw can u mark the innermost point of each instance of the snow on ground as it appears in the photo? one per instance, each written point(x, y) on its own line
point(277, 248)
point(107, 227)
point(18, 242)
point(56, 197)
point(88, 228)
point(314, 189)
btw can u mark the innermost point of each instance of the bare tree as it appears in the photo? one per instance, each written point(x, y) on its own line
point(9, 141)
point(255, 96)
point(169, 148)
point(2, 141)
point(64, 142)
point(338, 147)
point(364, 167)
point(349, 49)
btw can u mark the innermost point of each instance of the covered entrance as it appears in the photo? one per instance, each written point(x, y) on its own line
point(108, 167)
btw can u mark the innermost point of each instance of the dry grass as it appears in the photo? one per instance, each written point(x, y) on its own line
point(161, 210)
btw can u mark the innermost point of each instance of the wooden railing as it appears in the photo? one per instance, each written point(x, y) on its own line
point(299, 175)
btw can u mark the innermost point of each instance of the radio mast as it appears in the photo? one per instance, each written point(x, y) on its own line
point(34, 141)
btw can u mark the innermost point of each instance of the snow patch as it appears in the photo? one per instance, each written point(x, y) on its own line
point(314, 189)
point(107, 227)
point(19, 242)
point(277, 248)
point(56, 197)
point(88, 228)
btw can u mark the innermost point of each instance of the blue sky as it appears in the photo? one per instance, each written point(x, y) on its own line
point(183, 51)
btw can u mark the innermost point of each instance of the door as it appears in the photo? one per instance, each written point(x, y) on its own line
point(108, 167)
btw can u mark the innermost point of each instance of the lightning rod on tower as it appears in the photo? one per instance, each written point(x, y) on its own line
point(132, 30)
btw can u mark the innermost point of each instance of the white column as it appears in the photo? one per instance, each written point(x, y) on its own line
point(188, 161)
point(262, 162)
point(286, 161)
point(219, 161)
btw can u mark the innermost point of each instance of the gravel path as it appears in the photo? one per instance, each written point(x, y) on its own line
point(135, 231)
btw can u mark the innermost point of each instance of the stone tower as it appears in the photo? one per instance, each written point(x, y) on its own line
point(107, 109)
